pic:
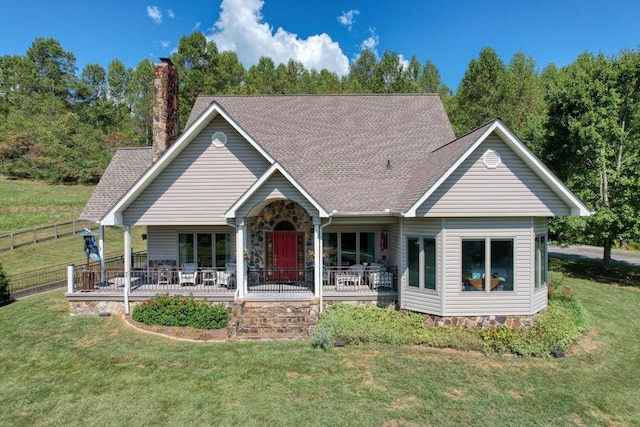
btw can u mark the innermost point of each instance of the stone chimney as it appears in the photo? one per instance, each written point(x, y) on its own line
point(165, 107)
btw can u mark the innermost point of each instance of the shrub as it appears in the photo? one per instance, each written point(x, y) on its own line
point(563, 323)
point(4, 286)
point(181, 311)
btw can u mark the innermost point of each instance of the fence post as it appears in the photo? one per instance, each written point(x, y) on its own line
point(11, 241)
point(70, 278)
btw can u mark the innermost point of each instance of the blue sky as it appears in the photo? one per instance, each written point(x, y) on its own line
point(328, 33)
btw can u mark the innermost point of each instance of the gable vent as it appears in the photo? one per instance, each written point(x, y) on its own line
point(219, 139)
point(491, 159)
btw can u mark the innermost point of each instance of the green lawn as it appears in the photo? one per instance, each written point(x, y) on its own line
point(26, 204)
point(97, 371)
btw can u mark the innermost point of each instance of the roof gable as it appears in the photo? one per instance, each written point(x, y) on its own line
point(469, 143)
point(264, 184)
point(114, 215)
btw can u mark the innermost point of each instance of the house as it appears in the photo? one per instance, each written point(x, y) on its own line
point(311, 199)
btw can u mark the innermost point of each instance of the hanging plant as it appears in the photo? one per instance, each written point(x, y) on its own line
point(245, 255)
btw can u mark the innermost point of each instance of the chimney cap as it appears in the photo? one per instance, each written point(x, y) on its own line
point(166, 61)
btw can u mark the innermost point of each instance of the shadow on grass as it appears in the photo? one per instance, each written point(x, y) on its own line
point(7, 302)
point(619, 274)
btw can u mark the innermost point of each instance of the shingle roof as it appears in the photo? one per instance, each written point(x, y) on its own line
point(353, 153)
point(126, 167)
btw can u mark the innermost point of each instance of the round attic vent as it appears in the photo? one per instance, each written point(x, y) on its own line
point(491, 159)
point(219, 139)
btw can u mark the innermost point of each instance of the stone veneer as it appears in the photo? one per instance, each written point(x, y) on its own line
point(268, 219)
point(510, 321)
point(260, 320)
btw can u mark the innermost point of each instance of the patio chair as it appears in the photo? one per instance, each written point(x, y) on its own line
point(353, 276)
point(381, 279)
point(188, 273)
point(227, 278)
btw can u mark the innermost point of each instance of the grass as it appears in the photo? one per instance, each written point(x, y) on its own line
point(27, 204)
point(64, 250)
point(92, 370)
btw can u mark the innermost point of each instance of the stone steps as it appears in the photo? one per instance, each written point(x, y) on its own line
point(261, 320)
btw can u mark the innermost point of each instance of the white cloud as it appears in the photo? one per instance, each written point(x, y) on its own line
point(197, 25)
point(165, 44)
point(371, 42)
point(240, 28)
point(171, 14)
point(154, 13)
point(348, 18)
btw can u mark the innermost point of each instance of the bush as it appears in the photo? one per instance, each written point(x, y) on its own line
point(181, 311)
point(564, 322)
point(4, 286)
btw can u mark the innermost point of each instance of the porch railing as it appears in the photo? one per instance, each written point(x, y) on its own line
point(173, 280)
point(153, 280)
point(280, 280)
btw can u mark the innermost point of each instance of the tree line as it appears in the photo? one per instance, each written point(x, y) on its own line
point(582, 120)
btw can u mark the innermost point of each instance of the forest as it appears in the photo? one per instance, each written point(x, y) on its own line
point(582, 120)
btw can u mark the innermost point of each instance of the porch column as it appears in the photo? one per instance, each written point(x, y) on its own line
point(127, 267)
point(317, 260)
point(101, 251)
point(240, 267)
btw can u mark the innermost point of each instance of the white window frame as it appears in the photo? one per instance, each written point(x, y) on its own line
point(422, 264)
point(487, 263)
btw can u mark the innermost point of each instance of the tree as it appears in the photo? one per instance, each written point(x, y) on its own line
point(431, 81)
point(479, 94)
point(360, 79)
point(593, 144)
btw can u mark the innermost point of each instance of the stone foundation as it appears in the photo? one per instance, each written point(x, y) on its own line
point(259, 320)
point(94, 308)
point(510, 321)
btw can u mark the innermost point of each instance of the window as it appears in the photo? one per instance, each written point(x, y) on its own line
point(413, 262)
point(429, 248)
point(540, 279)
point(480, 256)
point(185, 248)
point(345, 249)
point(206, 249)
point(421, 257)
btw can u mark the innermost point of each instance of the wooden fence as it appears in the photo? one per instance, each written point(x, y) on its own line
point(48, 278)
point(40, 234)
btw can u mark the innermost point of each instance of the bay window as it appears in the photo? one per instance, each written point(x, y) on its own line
point(487, 264)
point(421, 263)
point(540, 260)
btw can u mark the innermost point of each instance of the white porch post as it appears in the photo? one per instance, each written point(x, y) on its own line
point(70, 278)
point(127, 267)
point(101, 251)
point(240, 267)
point(317, 260)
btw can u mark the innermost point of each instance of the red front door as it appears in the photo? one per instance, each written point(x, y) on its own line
point(282, 262)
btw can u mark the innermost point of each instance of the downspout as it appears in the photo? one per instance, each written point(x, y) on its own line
point(237, 294)
point(101, 251)
point(127, 267)
point(321, 245)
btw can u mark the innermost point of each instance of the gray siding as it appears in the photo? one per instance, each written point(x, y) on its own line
point(511, 189)
point(277, 187)
point(422, 300)
point(518, 301)
point(201, 183)
point(162, 241)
